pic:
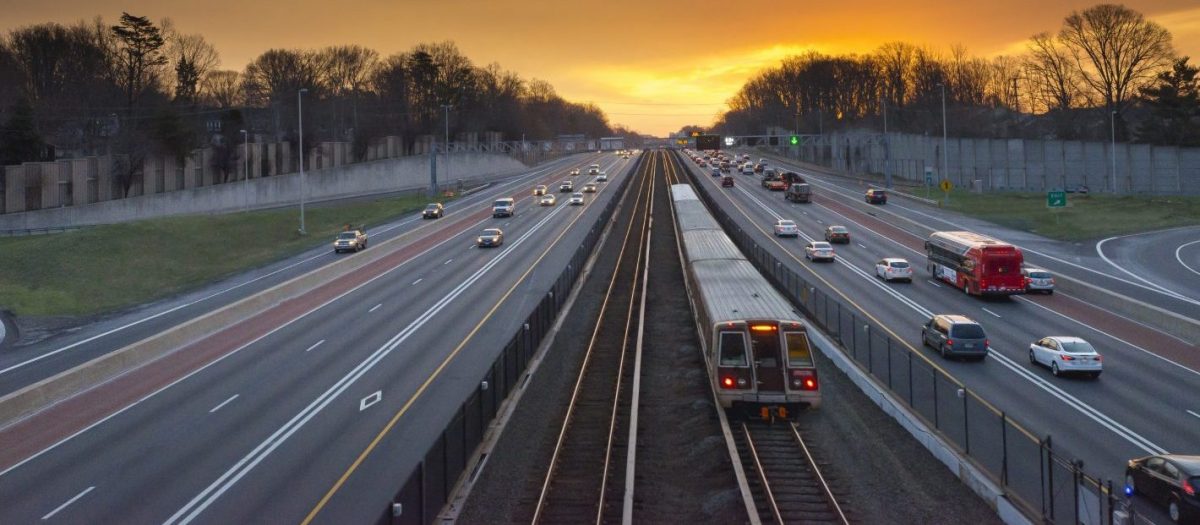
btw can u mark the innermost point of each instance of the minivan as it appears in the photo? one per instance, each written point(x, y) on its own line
point(955, 336)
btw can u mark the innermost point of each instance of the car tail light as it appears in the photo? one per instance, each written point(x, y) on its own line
point(1189, 488)
point(1051, 280)
point(987, 343)
point(949, 342)
point(1067, 358)
point(1099, 357)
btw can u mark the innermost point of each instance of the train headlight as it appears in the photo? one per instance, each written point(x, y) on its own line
point(741, 382)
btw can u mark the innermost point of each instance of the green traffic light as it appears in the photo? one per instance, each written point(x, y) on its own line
point(795, 140)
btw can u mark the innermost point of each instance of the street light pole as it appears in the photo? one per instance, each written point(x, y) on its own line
point(887, 150)
point(300, 118)
point(446, 160)
point(1112, 125)
point(945, 141)
point(246, 164)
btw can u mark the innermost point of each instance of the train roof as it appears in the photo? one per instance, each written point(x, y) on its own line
point(704, 245)
point(681, 192)
point(733, 290)
point(691, 215)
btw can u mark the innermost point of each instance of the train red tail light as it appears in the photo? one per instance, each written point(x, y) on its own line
point(727, 382)
point(804, 380)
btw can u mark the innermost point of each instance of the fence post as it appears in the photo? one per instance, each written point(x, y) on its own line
point(910, 383)
point(936, 424)
point(966, 422)
point(889, 361)
point(1003, 449)
point(1050, 474)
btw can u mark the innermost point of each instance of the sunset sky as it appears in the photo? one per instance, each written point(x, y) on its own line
point(653, 66)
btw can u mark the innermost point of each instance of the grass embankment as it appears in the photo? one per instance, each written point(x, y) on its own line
point(104, 268)
point(1085, 217)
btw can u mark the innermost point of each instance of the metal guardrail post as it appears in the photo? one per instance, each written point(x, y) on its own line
point(936, 423)
point(889, 362)
point(966, 396)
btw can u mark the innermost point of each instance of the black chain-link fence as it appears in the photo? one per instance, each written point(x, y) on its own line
point(429, 485)
point(1041, 481)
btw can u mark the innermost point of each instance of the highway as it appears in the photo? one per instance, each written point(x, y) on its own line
point(30, 363)
point(320, 407)
point(1138, 407)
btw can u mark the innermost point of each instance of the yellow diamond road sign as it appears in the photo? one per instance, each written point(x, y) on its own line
point(946, 185)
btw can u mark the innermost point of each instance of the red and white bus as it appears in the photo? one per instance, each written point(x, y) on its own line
point(976, 264)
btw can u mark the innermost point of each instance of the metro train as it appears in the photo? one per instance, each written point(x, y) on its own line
point(756, 347)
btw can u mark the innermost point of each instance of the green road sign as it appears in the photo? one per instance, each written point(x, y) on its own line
point(1056, 199)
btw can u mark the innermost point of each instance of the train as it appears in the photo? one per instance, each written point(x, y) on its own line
point(756, 347)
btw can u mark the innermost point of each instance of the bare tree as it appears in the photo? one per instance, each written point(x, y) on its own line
point(222, 89)
point(192, 58)
point(1116, 49)
point(1054, 81)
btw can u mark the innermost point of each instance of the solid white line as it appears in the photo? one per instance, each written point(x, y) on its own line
point(1100, 252)
point(414, 283)
point(1193, 413)
point(230, 477)
point(520, 179)
point(1071, 401)
point(70, 501)
point(373, 308)
point(1102, 332)
point(839, 190)
point(366, 402)
point(315, 345)
point(1180, 259)
point(218, 360)
point(991, 312)
point(223, 403)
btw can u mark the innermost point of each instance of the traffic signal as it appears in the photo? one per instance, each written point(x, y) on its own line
point(795, 140)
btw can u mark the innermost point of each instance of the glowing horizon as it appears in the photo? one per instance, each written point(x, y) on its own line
point(653, 68)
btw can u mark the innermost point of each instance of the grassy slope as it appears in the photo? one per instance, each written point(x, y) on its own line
point(104, 268)
point(1086, 217)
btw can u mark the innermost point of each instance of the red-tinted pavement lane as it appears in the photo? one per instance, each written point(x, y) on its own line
point(1145, 337)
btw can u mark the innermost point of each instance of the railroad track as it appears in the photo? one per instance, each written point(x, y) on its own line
point(785, 483)
point(588, 479)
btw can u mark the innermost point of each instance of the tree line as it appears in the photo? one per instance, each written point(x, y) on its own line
point(1106, 71)
point(137, 88)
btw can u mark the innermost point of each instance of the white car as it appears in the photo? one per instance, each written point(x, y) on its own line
point(589, 187)
point(892, 268)
point(1066, 355)
point(576, 199)
point(602, 177)
point(547, 200)
point(818, 251)
point(786, 228)
point(566, 186)
point(747, 169)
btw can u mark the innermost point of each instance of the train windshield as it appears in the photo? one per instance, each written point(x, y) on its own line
point(798, 351)
point(733, 349)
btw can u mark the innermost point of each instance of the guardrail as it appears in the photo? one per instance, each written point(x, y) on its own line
point(1044, 482)
point(428, 487)
point(22, 232)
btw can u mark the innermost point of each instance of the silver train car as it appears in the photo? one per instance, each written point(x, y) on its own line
point(756, 346)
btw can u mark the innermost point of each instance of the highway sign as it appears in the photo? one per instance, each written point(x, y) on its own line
point(708, 142)
point(795, 140)
point(946, 185)
point(1056, 199)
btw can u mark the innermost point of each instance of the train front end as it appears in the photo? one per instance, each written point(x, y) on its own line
point(765, 368)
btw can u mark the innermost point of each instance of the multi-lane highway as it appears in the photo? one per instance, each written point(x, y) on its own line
point(317, 408)
point(1138, 407)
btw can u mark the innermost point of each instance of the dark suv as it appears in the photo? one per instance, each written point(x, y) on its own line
point(876, 196)
point(955, 336)
point(1169, 480)
point(433, 210)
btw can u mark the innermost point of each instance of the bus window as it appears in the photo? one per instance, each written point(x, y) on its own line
point(798, 351)
point(733, 349)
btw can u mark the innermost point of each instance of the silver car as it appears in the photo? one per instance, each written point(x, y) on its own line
point(818, 251)
point(1066, 355)
point(1038, 280)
